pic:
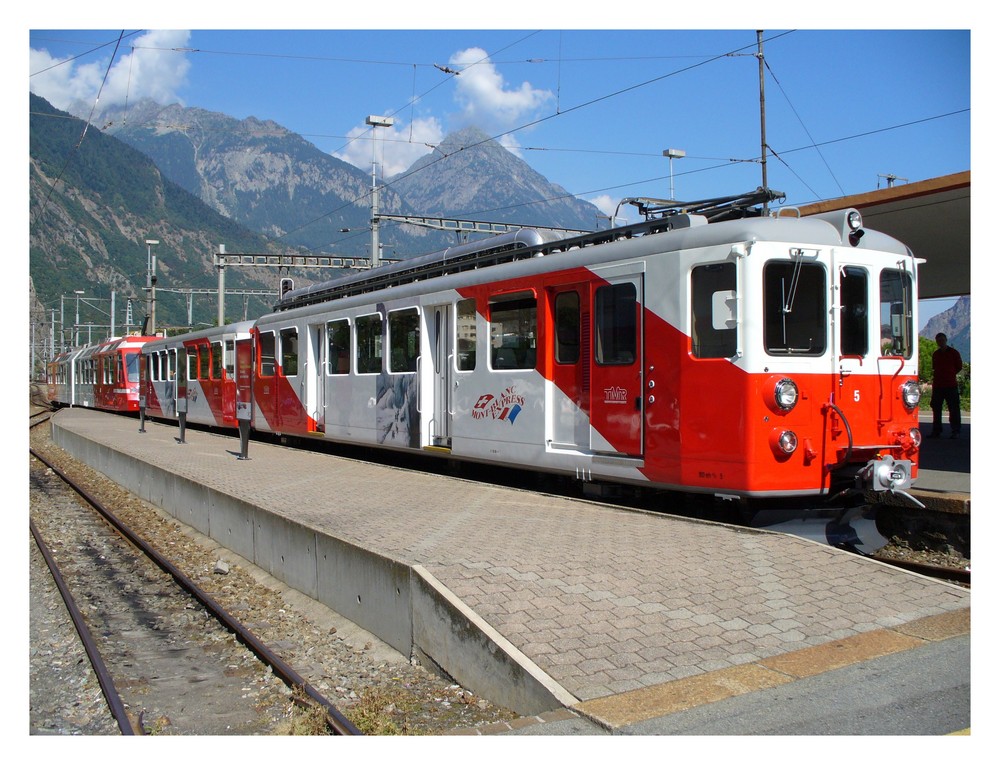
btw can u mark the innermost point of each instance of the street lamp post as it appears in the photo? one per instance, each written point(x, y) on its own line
point(376, 122)
point(673, 154)
point(151, 284)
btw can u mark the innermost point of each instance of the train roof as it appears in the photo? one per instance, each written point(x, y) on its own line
point(676, 229)
point(103, 346)
point(208, 333)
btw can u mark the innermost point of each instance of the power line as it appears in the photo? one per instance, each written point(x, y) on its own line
point(71, 59)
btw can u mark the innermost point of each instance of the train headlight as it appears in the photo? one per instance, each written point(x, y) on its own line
point(786, 395)
point(910, 393)
point(784, 442)
point(915, 436)
point(854, 220)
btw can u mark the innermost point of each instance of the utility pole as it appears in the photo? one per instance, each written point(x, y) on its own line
point(151, 285)
point(763, 131)
point(376, 122)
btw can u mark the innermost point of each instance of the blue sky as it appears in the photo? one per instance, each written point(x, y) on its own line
point(590, 109)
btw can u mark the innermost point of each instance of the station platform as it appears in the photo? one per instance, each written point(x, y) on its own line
point(618, 620)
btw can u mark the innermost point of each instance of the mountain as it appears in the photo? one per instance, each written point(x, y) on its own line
point(267, 178)
point(94, 201)
point(469, 175)
point(275, 182)
point(956, 323)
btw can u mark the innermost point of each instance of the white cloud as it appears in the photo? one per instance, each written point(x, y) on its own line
point(606, 204)
point(485, 102)
point(609, 205)
point(396, 147)
point(146, 68)
point(485, 99)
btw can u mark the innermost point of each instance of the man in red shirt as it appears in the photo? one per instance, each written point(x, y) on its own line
point(947, 363)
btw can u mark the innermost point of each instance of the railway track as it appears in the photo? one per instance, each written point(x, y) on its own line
point(169, 659)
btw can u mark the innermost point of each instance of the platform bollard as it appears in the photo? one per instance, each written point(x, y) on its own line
point(142, 419)
point(182, 419)
point(244, 439)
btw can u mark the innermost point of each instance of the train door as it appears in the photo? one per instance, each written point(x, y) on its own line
point(570, 406)
point(315, 378)
point(852, 290)
point(244, 381)
point(440, 333)
point(181, 364)
point(144, 361)
point(617, 396)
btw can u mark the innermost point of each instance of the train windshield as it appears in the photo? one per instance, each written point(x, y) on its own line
point(132, 366)
point(794, 308)
point(896, 298)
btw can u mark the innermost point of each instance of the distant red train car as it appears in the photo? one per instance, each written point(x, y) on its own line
point(102, 376)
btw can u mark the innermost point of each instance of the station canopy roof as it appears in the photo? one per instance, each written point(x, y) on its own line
point(932, 217)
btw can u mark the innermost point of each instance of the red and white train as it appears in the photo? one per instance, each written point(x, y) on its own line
point(101, 376)
point(758, 357)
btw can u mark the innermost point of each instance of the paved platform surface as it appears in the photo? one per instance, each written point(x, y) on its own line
point(635, 615)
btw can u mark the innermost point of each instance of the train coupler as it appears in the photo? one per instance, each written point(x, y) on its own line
point(888, 475)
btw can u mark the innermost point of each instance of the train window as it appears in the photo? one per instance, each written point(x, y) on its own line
point(853, 311)
point(171, 363)
point(338, 339)
point(794, 308)
point(368, 330)
point(465, 331)
point(267, 354)
point(192, 364)
point(290, 352)
point(216, 361)
point(204, 361)
point(713, 311)
point(513, 332)
point(896, 313)
point(404, 340)
point(615, 324)
point(132, 367)
point(229, 359)
point(567, 308)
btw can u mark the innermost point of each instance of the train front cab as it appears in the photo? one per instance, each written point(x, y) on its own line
point(116, 374)
point(825, 399)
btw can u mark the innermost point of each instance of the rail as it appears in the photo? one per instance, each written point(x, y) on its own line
point(104, 679)
point(336, 721)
